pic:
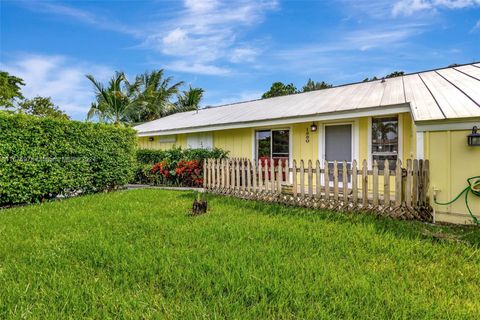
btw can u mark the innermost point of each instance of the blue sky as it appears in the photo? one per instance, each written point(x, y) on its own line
point(232, 49)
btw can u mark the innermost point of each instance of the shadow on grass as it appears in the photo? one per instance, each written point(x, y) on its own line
point(400, 228)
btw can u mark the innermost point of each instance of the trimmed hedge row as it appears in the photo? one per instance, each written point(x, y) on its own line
point(148, 156)
point(43, 158)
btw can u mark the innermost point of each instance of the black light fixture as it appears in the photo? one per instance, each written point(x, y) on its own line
point(474, 138)
point(313, 127)
point(150, 139)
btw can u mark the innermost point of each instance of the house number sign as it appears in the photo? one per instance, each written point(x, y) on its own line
point(307, 136)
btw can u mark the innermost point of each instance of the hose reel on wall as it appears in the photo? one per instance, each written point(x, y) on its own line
point(474, 188)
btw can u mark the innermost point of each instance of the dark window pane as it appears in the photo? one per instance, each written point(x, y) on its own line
point(263, 144)
point(280, 147)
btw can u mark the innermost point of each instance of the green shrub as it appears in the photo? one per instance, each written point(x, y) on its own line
point(148, 156)
point(42, 158)
point(174, 162)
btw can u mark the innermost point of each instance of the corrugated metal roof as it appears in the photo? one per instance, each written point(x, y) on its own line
point(449, 93)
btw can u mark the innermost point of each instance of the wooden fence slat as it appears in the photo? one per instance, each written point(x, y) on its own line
point(237, 174)
point(335, 180)
point(318, 178)
point(354, 181)
point(415, 183)
point(310, 178)
point(286, 170)
point(345, 181)
point(294, 178)
point(426, 181)
point(249, 176)
point(364, 183)
point(398, 183)
point(375, 183)
point(243, 180)
point(302, 178)
point(260, 176)
point(254, 176)
point(272, 175)
point(420, 183)
point(327, 180)
point(408, 187)
point(386, 183)
point(279, 176)
point(223, 175)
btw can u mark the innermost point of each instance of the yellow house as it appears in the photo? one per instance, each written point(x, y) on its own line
point(424, 115)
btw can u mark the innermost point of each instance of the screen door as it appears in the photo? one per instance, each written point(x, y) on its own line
point(338, 146)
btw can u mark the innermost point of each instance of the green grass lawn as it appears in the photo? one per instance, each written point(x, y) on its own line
point(137, 254)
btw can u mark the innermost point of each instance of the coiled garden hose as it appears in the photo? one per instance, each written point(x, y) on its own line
point(474, 188)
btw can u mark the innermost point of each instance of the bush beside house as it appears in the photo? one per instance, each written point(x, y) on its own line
point(174, 167)
point(43, 158)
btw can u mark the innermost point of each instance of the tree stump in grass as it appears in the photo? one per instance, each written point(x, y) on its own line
point(199, 205)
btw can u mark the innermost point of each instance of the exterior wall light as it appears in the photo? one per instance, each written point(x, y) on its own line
point(313, 127)
point(150, 139)
point(474, 138)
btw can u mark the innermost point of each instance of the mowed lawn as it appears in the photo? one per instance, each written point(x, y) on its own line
point(137, 254)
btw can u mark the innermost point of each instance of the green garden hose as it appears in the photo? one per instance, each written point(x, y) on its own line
point(474, 188)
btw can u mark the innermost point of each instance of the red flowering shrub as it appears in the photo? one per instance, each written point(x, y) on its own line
point(183, 172)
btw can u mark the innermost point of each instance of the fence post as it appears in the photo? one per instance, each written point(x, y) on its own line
point(386, 183)
point(279, 176)
point(294, 177)
point(327, 180)
point(272, 175)
point(318, 180)
point(249, 175)
point(408, 187)
point(375, 183)
point(364, 183)
point(260, 175)
point(254, 175)
point(398, 183)
point(426, 180)
point(237, 173)
point(415, 183)
point(354, 181)
point(335, 180)
point(302, 178)
point(310, 178)
point(345, 181)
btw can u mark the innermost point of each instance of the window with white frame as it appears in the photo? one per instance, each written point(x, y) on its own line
point(385, 141)
point(273, 144)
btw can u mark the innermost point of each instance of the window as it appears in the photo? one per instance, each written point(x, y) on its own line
point(273, 144)
point(385, 141)
point(200, 141)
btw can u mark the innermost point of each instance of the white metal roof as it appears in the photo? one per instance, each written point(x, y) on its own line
point(442, 94)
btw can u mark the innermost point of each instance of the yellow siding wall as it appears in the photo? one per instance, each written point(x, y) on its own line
point(301, 149)
point(452, 161)
point(144, 143)
point(237, 141)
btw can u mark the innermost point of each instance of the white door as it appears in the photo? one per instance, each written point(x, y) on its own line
point(338, 146)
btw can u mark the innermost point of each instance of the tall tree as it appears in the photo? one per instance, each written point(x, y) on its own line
point(280, 89)
point(41, 107)
point(115, 101)
point(189, 100)
point(312, 85)
point(10, 90)
point(154, 97)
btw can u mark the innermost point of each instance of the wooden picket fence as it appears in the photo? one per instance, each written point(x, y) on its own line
point(339, 186)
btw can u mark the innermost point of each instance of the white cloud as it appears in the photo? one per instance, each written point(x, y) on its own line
point(408, 7)
point(206, 33)
point(476, 26)
point(197, 68)
point(60, 78)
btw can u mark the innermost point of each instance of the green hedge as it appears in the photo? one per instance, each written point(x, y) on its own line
point(42, 158)
point(148, 156)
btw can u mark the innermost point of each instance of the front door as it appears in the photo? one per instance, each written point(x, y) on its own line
point(338, 146)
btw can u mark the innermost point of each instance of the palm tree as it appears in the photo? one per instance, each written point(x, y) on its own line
point(114, 102)
point(189, 100)
point(155, 93)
